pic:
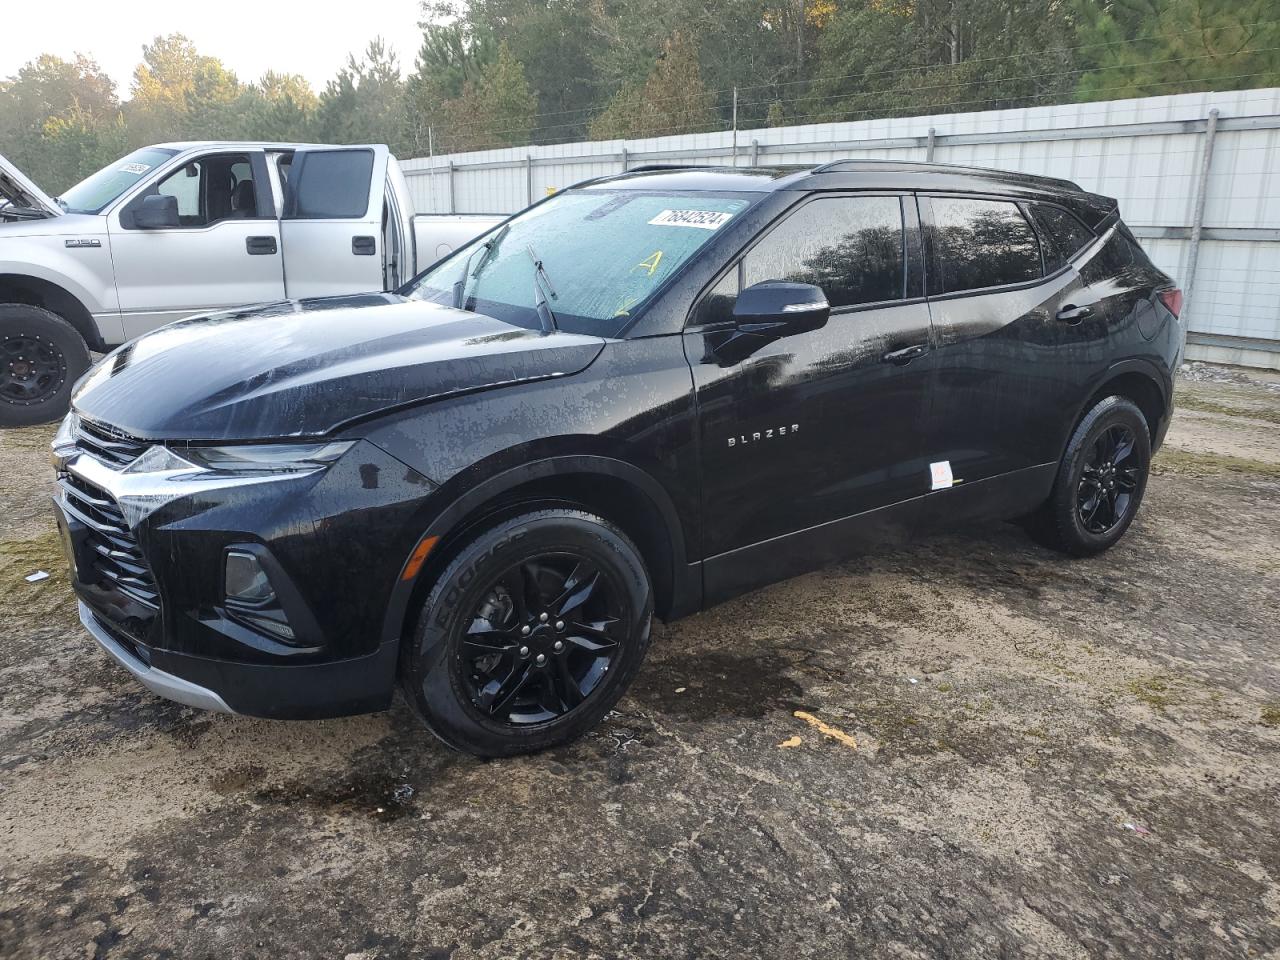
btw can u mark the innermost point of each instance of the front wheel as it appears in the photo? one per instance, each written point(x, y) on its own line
point(41, 357)
point(530, 635)
point(1101, 480)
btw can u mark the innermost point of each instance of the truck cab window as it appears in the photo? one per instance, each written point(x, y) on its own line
point(208, 190)
point(328, 185)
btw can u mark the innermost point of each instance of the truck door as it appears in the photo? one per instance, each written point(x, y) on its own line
point(222, 251)
point(333, 216)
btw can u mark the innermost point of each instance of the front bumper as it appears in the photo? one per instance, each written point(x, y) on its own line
point(148, 575)
point(157, 681)
point(279, 692)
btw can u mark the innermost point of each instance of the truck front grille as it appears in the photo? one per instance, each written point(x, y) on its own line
point(117, 560)
point(108, 444)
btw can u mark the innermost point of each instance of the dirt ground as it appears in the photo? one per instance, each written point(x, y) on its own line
point(967, 747)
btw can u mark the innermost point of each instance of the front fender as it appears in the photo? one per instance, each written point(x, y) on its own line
point(462, 505)
point(84, 272)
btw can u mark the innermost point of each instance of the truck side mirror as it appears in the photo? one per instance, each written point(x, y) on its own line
point(780, 308)
point(156, 212)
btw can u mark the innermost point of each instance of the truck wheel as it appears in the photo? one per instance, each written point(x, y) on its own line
point(41, 357)
point(530, 635)
point(1101, 480)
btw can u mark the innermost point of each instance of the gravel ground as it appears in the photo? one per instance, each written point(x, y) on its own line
point(967, 747)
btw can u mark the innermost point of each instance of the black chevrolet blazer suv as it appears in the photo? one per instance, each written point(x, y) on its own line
point(638, 397)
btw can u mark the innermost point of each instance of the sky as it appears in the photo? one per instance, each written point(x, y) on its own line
point(249, 39)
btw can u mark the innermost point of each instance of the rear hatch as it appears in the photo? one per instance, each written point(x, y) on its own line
point(20, 198)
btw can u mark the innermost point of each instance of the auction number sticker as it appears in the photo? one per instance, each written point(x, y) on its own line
point(702, 219)
point(134, 167)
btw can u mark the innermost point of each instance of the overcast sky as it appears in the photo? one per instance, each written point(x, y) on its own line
point(310, 38)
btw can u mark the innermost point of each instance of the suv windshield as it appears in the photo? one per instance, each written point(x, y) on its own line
point(96, 191)
point(607, 253)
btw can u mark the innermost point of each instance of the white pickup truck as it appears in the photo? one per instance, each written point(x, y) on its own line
point(183, 228)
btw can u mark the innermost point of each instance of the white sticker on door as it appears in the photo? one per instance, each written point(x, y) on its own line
point(702, 219)
point(941, 473)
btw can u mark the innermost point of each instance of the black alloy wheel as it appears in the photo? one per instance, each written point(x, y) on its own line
point(1100, 481)
point(530, 632)
point(541, 639)
point(1108, 480)
point(32, 370)
point(41, 357)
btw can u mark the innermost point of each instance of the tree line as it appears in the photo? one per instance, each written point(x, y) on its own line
point(494, 73)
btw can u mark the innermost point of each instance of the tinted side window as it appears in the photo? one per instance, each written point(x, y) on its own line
point(1121, 258)
point(851, 247)
point(1061, 233)
point(981, 243)
point(329, 184)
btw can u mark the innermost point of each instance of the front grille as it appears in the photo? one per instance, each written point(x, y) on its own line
point(115, 556)
point(108, 444)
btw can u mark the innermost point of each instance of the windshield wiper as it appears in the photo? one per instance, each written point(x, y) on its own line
point(487, 248)
point(540, 279)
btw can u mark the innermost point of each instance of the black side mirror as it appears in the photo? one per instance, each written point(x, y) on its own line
point(779, 308)
point(156, 212)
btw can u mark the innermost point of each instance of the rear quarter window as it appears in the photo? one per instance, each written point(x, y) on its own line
point(981, 243)
point(1061, 234)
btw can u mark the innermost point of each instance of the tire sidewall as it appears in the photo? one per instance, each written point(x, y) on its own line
point(36, 321)
point(1112, 411)
point(429, 672)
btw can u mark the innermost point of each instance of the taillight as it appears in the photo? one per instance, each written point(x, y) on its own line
point(1171, 299)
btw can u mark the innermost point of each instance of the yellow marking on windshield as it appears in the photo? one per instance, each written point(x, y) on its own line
point(623, 304)
point(649, 264)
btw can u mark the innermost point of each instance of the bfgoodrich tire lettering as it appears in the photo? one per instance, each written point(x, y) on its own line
point(41, 357)
point(1101, 480)
point(495, 669)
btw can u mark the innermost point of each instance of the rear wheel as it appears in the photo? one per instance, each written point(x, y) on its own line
point(41, 357)
point(531, 634)
point(1101, 480)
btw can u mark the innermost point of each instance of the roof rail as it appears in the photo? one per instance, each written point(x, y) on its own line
point(646, 167)
point(851, 165)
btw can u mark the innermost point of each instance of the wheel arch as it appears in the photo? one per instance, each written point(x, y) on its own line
point(38, 292)
point(616, 490)
point(1140, 382)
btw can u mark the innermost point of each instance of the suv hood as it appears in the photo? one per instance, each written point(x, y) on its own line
point(305, 368)
point(19, 195)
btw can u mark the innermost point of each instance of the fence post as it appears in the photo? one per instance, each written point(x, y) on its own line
point(735, 126)
point(528, 178)
point(431, 160)
point(451, 200)
point(755, 152)
point(624, 158)
point(930, 144)
point(1197, 222)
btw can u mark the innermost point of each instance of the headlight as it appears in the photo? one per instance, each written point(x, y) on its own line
point(64, 441)
point(163, 474)
point(266, 458)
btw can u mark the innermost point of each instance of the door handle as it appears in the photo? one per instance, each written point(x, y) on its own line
point(1073, 314)
point(260, 246)
point(906, 354)
point(363, 246)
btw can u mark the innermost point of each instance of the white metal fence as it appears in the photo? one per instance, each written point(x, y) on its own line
point(1166, 159)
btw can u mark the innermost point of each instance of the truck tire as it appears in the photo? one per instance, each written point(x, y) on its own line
point(41, 358)
point(530, 635)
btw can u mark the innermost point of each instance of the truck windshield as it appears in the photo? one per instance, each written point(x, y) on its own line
point(607, 252)
point(96, 191)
